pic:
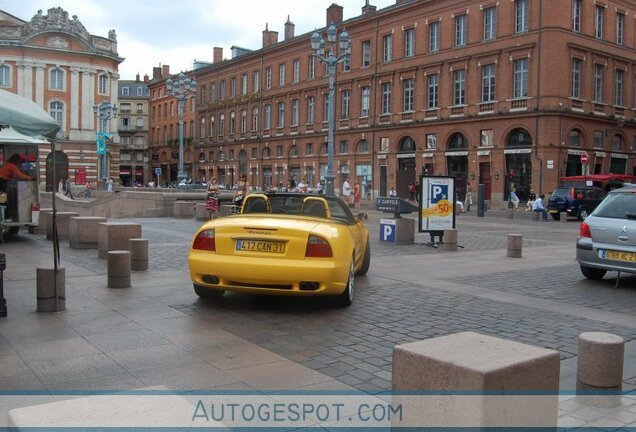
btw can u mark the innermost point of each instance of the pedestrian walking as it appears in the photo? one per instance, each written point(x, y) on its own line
point(346, 191)
point(68, 188)
point(357, 194)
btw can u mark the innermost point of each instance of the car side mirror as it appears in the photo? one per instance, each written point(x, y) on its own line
point(362, 216)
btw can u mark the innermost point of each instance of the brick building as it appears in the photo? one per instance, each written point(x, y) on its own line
point(508, 94)
point(54, 61)
point(133, 127)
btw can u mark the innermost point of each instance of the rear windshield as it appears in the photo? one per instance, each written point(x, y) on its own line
point(561, 193)
point(617, 206)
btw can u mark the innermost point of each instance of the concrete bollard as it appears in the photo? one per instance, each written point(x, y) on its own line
point(600, 368)
point(119, 269)
point(45, 289)
point(515, 244)
point(510, 214)
point(460, 374)
point(45, 217)
point(115, 236)
point(82, 231)
point(450, 240)
point(62, 221)
point(563, 217)
point(201, 212)
point(138, 254)
point(536, 216)
point(183, 209)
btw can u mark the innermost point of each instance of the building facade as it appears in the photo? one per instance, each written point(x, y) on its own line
point(505, 94)
point(133, 126)
point(54, 61)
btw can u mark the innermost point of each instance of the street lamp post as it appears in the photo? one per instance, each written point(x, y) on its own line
point(182, 89)
point(104, 112)
point(331, 60)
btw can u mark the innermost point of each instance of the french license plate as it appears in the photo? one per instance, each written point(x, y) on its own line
point(260, 246)
point(553, 211)
point(617, 256)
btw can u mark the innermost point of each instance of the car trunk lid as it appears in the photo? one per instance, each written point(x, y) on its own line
point(619, 232)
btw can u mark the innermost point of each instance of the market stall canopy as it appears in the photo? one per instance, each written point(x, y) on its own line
point(12, 136)
point(25, 116)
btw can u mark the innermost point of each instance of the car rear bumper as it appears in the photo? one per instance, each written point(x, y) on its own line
point(269, 275)
point(587, 255)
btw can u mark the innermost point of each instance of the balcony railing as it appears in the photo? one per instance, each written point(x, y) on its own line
point(519, 104)
point(431, 114)
point(458, 111)
point(486, 108)
point(407, 117)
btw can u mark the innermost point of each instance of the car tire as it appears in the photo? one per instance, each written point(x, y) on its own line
point(593, 273)
point(346, 298)
point(208, 293)
point(366, 261)
point(555, 216)
point(583, 214)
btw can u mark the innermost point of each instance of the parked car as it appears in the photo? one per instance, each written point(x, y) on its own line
point(607, 238)
point(295, 244)
point(577, 201)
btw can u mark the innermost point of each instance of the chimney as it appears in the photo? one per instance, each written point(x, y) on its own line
point(146, 79)
point(165, 71)
point(156, 73)
point(269, 37)
point(368, 8)
point(334, 14)
point(217, 55)
point(137, 78)
point(289, 29)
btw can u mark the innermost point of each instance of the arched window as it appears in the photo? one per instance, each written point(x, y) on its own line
point(457, 142)
point(57, 79)
point(363, 147)
point(5, 76)
point(617, 143)
point(102, 84)
point(267, 153)
point(519, 138)
point(407, 145)
point(575, 138)
point(56, 109)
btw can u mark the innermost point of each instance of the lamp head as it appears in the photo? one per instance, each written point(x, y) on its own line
point(95, 109)
point(169, 84)
point(344, 41)
point(331, 33)
point(315, 41)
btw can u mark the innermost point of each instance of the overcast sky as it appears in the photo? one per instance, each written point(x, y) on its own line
point(177, 32)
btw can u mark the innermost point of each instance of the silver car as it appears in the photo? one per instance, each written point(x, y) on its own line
point(607, 238)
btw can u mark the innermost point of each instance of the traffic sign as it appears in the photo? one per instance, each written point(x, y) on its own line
point(158, 171)
point(585, 159)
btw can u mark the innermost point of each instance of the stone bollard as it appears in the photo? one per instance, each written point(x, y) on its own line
point(462, 376)
point(45, 218)
point(183, 209)
point(82, 231)
point(450, 240)
point(45, 289)
point(535, 216)
point(138, 254)
point(600, 369)
point(119, 269)
point(62, 221)
point(515, 243)
point(510, 214)
point(563, 217)
point(115, 236)
point(201, 212)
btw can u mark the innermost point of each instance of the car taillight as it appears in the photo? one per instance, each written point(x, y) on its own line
point(317, 247)
point(584, 230)
point(205, 241)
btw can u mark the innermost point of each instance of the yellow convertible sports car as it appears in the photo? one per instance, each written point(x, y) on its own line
point(283, 244)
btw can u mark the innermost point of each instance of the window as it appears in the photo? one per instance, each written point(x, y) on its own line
point(309, 149)
point(254, 153)
point(202, 127)
point(140, 91)
point(521, 16)
point(364, 146)
point(433, 36)
point(281, 74)
point(281, 114)
point(490, 23)
point(325, 108)
point(577, 6)
point(57, 79)
point(408, 95)
point(279, 151)
point(433, 91)
point(366, 53)
point(213, 92)
point(311, 110)
point(268, 117)
point(409, 42)
point(256, 81)
point(5, 76)
point(599, 18)
point(296, 71)
point(619, 84)
point(255, 119)
point(386, 98)
point(212, 126)
point(232, 87)
point(221, 124)
point(56, 109)
point(102, 82)
point(346, 63)
point(488, 83)
point(576, 77)
point(520, 79)
point(598, 139)
point(346, 99)
point(344, 146)
point(312, 67)
point(232, 122)
point(620, 28)
point(244, 84)
point(268, 78)
point(598, 83)
point(243, 120)
point(295, 112)
point(222, 90)
point(387, 46)
point(364, 101)
point(461, 30)
point(459, 87)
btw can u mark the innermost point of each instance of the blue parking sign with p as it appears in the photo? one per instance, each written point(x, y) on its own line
point(438, 192)
point(387, 230)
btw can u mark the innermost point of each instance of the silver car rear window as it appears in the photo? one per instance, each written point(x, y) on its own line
point(617, 206)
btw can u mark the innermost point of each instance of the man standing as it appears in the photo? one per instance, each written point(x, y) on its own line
point(67, 186)
point(346, 191)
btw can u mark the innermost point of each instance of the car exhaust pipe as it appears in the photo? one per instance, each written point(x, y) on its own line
point(210, 279)
point(309, 286)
